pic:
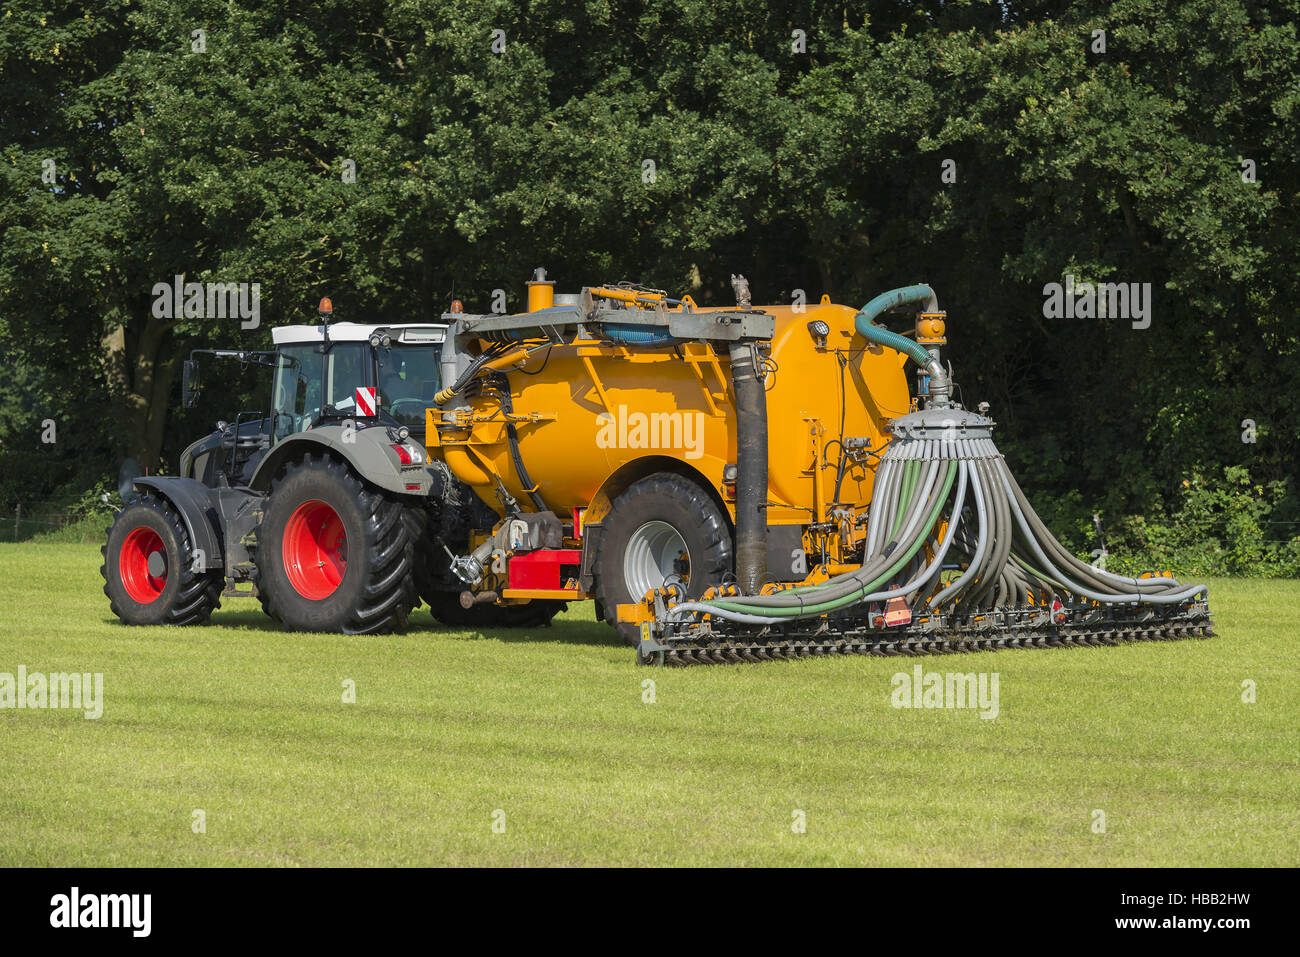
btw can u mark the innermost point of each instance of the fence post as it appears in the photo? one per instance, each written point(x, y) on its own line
point(18, 514)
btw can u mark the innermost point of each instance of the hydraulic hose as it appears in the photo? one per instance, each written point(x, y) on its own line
point(881, 502)
point(936, 564)
point(982, 543)
point(905, 497)
point(1103, 579)
point(512, 439)
point(1134, 597)
point(998, 540)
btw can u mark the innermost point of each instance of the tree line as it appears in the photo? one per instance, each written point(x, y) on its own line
point(393, 155)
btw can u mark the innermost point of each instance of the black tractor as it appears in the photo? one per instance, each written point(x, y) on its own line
point(328, 507)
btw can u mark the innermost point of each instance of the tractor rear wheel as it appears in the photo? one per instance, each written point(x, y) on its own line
point(148, 570)
point(333, 554)
point(663, 526)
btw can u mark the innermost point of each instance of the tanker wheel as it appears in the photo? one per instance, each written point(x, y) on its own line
point(662, 526)
point(148, 570)
point(333, 554)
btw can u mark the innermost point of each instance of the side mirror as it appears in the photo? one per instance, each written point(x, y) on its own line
point(190, 383)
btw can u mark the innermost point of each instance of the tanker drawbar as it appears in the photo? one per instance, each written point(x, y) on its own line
point(754, 482)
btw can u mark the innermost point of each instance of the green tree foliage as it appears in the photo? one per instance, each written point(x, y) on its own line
point(802, 143)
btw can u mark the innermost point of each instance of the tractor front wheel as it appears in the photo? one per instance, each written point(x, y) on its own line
point(333, 554)
point(149, 569)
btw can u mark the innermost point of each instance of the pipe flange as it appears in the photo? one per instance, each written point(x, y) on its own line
point(950, 424)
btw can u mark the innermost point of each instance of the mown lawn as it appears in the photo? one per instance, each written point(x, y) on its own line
point(549, 726)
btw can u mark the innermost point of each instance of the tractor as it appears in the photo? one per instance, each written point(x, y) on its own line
point(327, 508)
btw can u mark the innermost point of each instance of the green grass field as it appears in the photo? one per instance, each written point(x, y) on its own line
point(549, 726)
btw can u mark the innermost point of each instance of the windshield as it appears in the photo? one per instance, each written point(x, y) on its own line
point(300, 375)
point(408, 380)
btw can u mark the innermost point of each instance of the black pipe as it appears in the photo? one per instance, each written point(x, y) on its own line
point(512, 438)
point(747, 386)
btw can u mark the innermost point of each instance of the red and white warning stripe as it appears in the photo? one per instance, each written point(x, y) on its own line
point(366, 400)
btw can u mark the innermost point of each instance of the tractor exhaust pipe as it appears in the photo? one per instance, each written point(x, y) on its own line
point(751, 466)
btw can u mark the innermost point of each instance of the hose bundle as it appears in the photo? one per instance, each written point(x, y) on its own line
point(943, 483)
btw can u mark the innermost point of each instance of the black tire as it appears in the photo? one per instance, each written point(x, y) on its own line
point(423, 556)
point(372, 589)
point(675, 501)
point(447, 609)
point(181, 595)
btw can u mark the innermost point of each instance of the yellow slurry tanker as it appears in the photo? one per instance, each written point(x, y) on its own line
point(753, 482)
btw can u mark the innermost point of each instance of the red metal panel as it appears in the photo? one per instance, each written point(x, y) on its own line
point(541, 569)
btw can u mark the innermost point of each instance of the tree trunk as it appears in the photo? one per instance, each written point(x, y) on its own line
point(826, 275)
point(141, 364)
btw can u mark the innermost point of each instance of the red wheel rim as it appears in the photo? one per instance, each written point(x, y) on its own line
point(315, 550)
point(133, 565)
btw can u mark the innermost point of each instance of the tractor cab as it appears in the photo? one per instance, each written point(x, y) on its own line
point(347, 372)
point(369, 374)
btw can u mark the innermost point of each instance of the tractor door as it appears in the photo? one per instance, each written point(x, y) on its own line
point(311, 386)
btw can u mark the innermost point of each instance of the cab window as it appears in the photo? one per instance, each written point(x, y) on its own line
point(409, 378)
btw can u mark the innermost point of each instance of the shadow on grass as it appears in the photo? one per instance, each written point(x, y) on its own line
point(562, 630)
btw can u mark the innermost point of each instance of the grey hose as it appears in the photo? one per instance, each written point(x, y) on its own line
point(1136, 597)
point(1010, 555)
